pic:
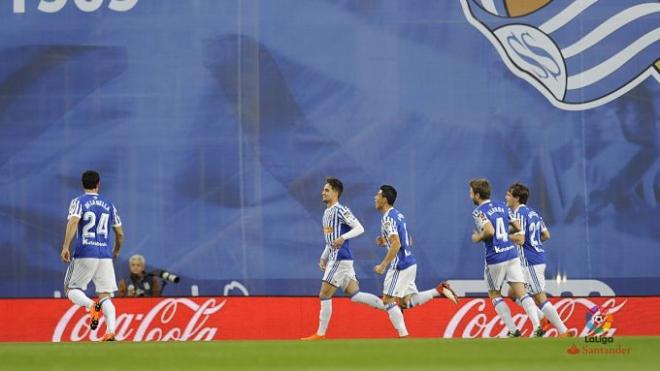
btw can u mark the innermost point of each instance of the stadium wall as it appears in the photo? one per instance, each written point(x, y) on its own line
point(214, 122)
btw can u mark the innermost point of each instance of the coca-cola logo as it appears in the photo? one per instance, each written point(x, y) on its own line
point(169, 319)
point(473, 319)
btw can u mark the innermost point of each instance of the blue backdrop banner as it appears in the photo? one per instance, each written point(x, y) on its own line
point(214, 122)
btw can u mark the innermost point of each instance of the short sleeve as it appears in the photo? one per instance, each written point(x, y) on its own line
point(116, 221)
point(75, 209)
point(390, 227)
point(347, 216)
point(480, 219)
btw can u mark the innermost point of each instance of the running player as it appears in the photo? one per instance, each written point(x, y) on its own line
point(502, 264)
point(92, 255)
point(399, 288)
point(339, 225)
point(530, 249)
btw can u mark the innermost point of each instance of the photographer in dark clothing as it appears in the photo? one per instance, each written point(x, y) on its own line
point(139, 283)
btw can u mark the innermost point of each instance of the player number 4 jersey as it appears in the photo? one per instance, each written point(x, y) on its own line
point(499, 248)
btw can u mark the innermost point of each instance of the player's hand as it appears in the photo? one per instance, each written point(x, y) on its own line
point(115, 253)
point(322, 265)
point(380, 241)
point(65, 255)
point(517, 238)
point(476, 236)
point(338, 242)
point(380, 268)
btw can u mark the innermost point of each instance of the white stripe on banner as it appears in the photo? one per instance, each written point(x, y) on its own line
point(604, 69)
point(489, 5)
point(608, 27)
point(566, 15)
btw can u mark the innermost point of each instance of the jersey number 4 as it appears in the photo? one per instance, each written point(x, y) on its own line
point(500, 230)
point(90, 222)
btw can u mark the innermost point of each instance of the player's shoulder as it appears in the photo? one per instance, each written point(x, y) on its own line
point(341, 207)
point(532, 213)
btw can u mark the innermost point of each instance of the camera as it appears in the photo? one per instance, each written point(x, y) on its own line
point(167, 276)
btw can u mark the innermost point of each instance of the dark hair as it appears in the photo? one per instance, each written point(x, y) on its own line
point(335, 184)
point(90, 179)
point(481, 187)
point(389, 193)
point(520, 191)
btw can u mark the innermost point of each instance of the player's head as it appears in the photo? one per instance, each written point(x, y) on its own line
point(385, 197)
point(332, 190)
point(91, 180)
point(517, 194)
point(136, 264)
point(479, 190)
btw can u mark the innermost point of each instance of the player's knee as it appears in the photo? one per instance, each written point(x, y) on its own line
point(388, 299)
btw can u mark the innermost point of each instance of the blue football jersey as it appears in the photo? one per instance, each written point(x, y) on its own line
point(532, 223)
point(96, 216)
point(499, 248)
point(336, 221)
point(394, 223)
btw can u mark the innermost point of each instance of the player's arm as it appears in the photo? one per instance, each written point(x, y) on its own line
point(395, 245)
point(119, 240)
point(324, 257)
point(119, 232)
point(485, 234)
point(69, 235)
point(514, 226)
point(356, 230)
point(518, 238)
point(545, 234)
point(121, 287)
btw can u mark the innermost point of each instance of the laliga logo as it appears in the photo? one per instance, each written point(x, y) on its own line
point(598, 320)
point(54, 6)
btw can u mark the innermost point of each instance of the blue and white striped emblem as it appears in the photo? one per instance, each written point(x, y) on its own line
point(579, 54)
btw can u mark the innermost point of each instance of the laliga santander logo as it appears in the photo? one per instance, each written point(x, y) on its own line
point(473, 319)
point(598, 320)
point(165, 321)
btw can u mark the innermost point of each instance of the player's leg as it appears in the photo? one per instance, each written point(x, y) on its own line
point(106, 283)
point(514, 275)
point(537, 275)
point(78, 275)
point(494, 276)
point(328, 287)
point(357, 296)
point(530, 285)
point(394, 289)
point(411, 296)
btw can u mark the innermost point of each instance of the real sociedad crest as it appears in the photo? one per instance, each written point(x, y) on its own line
point(581, 53)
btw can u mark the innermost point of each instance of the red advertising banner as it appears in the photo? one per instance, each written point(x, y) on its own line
point(217, 318)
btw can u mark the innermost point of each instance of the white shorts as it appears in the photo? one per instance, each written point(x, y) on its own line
point(339, 273)
point(399, 283)
point(83, 270)
point(508, 271)
point(534, 278)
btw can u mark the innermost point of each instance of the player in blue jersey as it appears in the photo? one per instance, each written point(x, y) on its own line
point(339, 225)
point(399, 286)
point(90, 215)
point(530, 249)
point(492, 219)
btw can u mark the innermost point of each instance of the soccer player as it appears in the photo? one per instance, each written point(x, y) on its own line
point(89, 217)
point(339, 225)
point(530, 249)
point(399, 286)
point(502, 263)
